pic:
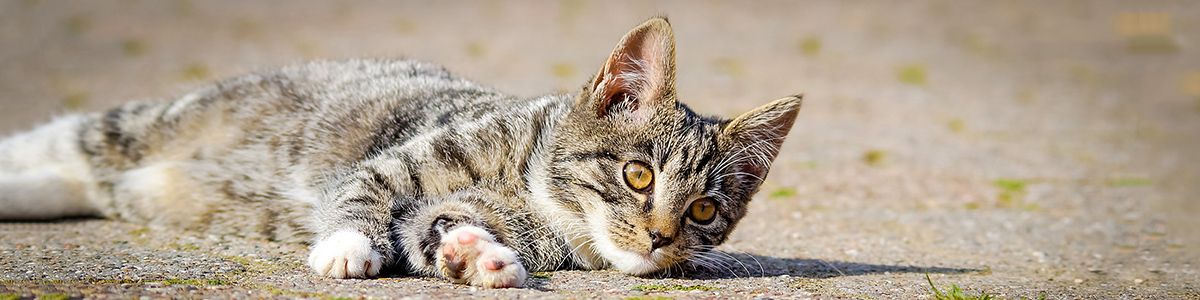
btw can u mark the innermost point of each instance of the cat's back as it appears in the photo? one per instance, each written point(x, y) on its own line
point(365, 80)
point(366, 86)
point(321, 115)
point(329, 113)
point(256, 139)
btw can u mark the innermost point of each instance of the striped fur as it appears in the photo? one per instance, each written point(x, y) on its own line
point(402, 152)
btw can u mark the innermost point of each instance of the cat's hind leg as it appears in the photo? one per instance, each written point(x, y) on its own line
point(41, 194)
point(44, 174)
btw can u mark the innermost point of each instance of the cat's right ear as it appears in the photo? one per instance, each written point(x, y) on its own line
point(757, 136)
point(640, 73)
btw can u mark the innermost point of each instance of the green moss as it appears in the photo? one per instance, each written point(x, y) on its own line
point(976, 45)
point(1011, 185)
point(954, 293)
point(1152, 44)
point(1012, 194)
point(184, 8)
point(543, 275)
point(306, 47)
point(77, 24)
point(184, 247)
point(1026, 97)
point(133, 47)
point(810, 46)
point(1030, 207)
point(476, 50)
point(730, 67)
point(650, 288)
point(1006, 199)
point(562, 70)
point(289, 294)
point(783, 193)
point(76, 100)
point(195, 72)
point(405, 26)
point(874, 157)
point(648, 297)
point(1130, 181)
point(196, 281)
point(182, 281)
point(956, 125)
point(91, 281)
point(913, 74)
point(10, 296)
point(139, 232)
point(54, 297)
point(571, 11)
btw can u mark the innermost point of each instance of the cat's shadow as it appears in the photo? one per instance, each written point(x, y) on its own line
point(741, 265)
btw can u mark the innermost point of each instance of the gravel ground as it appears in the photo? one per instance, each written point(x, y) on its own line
point(1018, 148)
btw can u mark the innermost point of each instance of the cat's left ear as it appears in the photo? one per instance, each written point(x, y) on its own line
point(757, 135)
point(639, 74)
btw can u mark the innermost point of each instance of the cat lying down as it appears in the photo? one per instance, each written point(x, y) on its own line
point(402, 166)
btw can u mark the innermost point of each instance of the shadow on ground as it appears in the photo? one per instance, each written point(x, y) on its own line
point(741, 265)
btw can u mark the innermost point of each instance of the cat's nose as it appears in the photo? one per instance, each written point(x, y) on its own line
point(658, 240)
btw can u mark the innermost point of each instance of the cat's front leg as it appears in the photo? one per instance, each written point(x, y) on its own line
point(345, 254)
point(352, 226)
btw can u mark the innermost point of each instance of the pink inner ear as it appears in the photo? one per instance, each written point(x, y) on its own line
point(639, 71)
point(760, 133)
point(621, 100)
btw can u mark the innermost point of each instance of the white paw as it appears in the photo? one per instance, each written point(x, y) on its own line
point(472, 255)
point(345, 254)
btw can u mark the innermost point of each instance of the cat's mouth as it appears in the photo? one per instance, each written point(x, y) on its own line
point(637, 263)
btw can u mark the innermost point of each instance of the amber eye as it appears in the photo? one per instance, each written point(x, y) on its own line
point(703, 211)
point(638, 175)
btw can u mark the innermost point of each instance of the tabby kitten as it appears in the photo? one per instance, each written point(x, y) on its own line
point(401, 165)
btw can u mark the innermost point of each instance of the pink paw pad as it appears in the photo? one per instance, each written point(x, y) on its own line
point(471, 255)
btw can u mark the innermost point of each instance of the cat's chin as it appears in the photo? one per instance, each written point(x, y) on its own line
point(635, 263)
point(630, 262)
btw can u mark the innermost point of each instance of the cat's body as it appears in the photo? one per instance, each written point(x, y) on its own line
point(399, 163)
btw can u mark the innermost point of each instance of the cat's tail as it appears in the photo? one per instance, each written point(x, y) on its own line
point(44, 173)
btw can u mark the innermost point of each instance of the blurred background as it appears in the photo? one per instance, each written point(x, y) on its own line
point(1065, 129)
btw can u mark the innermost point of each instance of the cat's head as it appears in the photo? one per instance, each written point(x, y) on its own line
point(647, 180)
